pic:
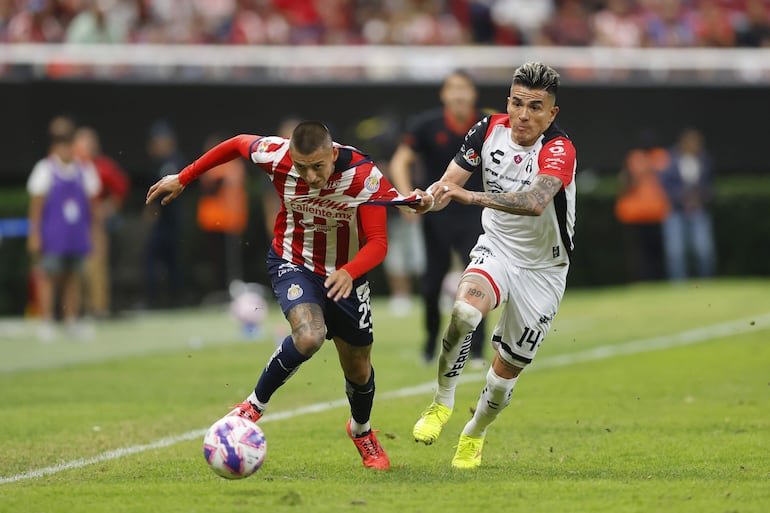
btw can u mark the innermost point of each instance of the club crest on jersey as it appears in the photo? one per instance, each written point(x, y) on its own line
point(294, 292)
point(471, 157)
point(518, 159)
point(263, 146)
point(372, 183)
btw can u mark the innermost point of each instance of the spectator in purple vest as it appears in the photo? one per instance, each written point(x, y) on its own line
point(62, 192)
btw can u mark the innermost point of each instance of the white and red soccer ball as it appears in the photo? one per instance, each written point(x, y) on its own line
point(234, 447)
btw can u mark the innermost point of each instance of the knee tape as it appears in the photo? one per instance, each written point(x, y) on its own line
point(465, 317)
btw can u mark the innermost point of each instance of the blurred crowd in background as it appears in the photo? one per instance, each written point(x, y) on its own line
point(659, 243)
point(614, 23)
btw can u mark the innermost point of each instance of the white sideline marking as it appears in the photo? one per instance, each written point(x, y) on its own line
point(684, 338)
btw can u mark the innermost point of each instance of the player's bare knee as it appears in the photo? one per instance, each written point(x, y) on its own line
point(308, 341)
point(465, 317)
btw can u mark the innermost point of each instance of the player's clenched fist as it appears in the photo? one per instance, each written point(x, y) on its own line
point(426, 201)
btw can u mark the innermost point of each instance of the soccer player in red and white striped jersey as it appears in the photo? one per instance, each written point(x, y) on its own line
point(327, 236)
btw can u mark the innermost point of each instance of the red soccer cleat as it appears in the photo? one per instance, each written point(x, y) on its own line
point(372, 453)
point(247, 411)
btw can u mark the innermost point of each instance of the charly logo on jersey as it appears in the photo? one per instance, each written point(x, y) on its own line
point(480, 254)
point(372, 183)
point(323, 228)
point(546, 318)
point(288, 267)
point(494, 186)
point(484, 250)
point(294, 292)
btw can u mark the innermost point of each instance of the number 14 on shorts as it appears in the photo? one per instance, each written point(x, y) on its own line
point(531, 337)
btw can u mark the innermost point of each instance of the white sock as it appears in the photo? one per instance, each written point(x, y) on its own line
point(357, 429)
point(256, 402)
point(493, 399)
point(455, 350)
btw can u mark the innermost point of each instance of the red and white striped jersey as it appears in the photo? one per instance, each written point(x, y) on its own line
point(530, 241)
point(320, 228)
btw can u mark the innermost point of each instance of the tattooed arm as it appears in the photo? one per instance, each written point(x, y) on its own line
point(531, 202)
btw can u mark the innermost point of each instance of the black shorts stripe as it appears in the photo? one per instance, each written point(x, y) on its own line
point(507, 348)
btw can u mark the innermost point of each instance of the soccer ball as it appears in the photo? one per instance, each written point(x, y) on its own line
point(234, 447)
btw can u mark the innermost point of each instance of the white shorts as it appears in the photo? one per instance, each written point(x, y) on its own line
point(529, 297)
point(406, 247)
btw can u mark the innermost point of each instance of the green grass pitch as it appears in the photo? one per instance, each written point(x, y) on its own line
point(646, 398)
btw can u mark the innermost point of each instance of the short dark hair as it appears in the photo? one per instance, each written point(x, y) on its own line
point(61, 129)
point(310, 136)
point(536, 75)
point(459, 72)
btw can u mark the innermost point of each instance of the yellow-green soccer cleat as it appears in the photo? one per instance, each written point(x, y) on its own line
point(429, 425)
point(468, 453)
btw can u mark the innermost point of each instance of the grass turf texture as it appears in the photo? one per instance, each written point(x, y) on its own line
point(684, 429)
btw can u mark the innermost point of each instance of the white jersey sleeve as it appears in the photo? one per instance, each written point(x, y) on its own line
point(41, 178)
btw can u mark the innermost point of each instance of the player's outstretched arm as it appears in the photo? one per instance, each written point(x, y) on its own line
point(531, 202)
point(167, 187)
point(173, 185)
point(450, 187)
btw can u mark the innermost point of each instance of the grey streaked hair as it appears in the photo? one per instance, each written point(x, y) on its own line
point(536, 75)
